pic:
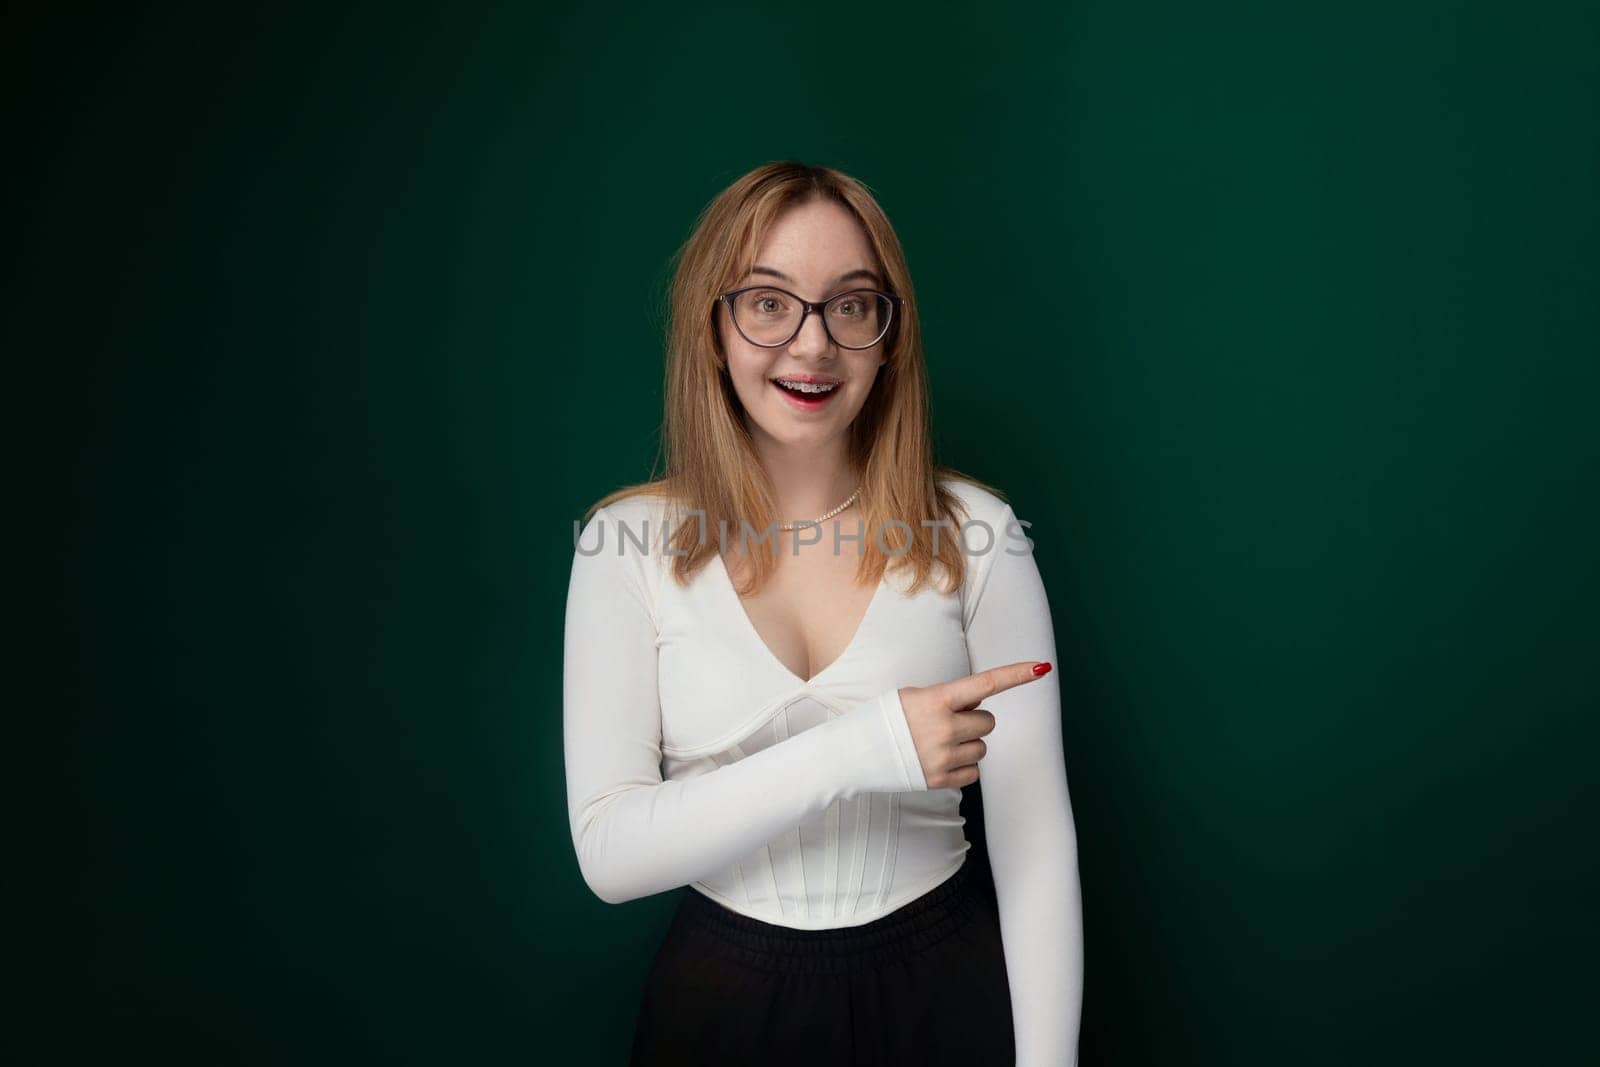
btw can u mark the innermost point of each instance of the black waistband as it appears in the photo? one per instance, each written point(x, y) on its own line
point(912, 928)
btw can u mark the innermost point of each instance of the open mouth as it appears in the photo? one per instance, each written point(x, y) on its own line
point(806, 394)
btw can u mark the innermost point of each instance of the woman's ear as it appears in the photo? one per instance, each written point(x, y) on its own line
point(717, 350)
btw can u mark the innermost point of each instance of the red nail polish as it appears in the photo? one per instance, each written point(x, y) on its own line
point(1040, 669)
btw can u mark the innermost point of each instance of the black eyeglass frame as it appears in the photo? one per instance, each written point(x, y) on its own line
point(808, 306)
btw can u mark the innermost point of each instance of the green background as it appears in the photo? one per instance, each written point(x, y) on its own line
point(1277, 320)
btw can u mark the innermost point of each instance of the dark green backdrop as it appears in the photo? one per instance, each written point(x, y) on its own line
point(1278, 321)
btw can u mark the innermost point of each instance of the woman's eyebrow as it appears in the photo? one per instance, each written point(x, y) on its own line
point(849, 275)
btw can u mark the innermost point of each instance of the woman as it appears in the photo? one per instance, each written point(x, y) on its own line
point(785, 659)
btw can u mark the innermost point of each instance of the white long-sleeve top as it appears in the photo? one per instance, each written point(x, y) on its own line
point(695, 757)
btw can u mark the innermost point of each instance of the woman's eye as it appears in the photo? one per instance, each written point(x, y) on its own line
point(768, 303)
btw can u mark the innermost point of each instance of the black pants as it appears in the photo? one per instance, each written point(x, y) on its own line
point(925, 985)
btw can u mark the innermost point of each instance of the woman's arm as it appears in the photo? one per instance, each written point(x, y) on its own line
point(634, 833)
point(1033, 848)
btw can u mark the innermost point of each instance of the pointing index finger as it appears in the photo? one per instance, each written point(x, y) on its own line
point(969, 691)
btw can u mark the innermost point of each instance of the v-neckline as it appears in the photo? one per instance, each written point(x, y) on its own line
point(761, 642)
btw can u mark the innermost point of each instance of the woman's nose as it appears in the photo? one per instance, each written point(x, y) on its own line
point(812, 339)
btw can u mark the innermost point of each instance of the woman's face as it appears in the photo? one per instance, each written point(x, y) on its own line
point(815, 250)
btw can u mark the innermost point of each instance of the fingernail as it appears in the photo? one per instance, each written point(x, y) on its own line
point(1040, 669)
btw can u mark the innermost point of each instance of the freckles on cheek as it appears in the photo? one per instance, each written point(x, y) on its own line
point(749, 381)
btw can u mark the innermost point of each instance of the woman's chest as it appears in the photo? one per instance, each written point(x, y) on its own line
point(720, 679)
point(808, 610)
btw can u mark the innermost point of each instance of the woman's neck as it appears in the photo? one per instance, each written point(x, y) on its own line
point(808, 482)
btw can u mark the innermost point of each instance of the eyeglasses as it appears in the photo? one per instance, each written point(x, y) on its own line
point(769, 317)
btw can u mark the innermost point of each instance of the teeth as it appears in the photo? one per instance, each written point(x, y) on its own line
point(810, 387)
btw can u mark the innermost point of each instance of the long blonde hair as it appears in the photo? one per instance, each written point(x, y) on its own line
point(711, 461)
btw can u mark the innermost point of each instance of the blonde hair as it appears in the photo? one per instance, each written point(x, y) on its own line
point(711, 461)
